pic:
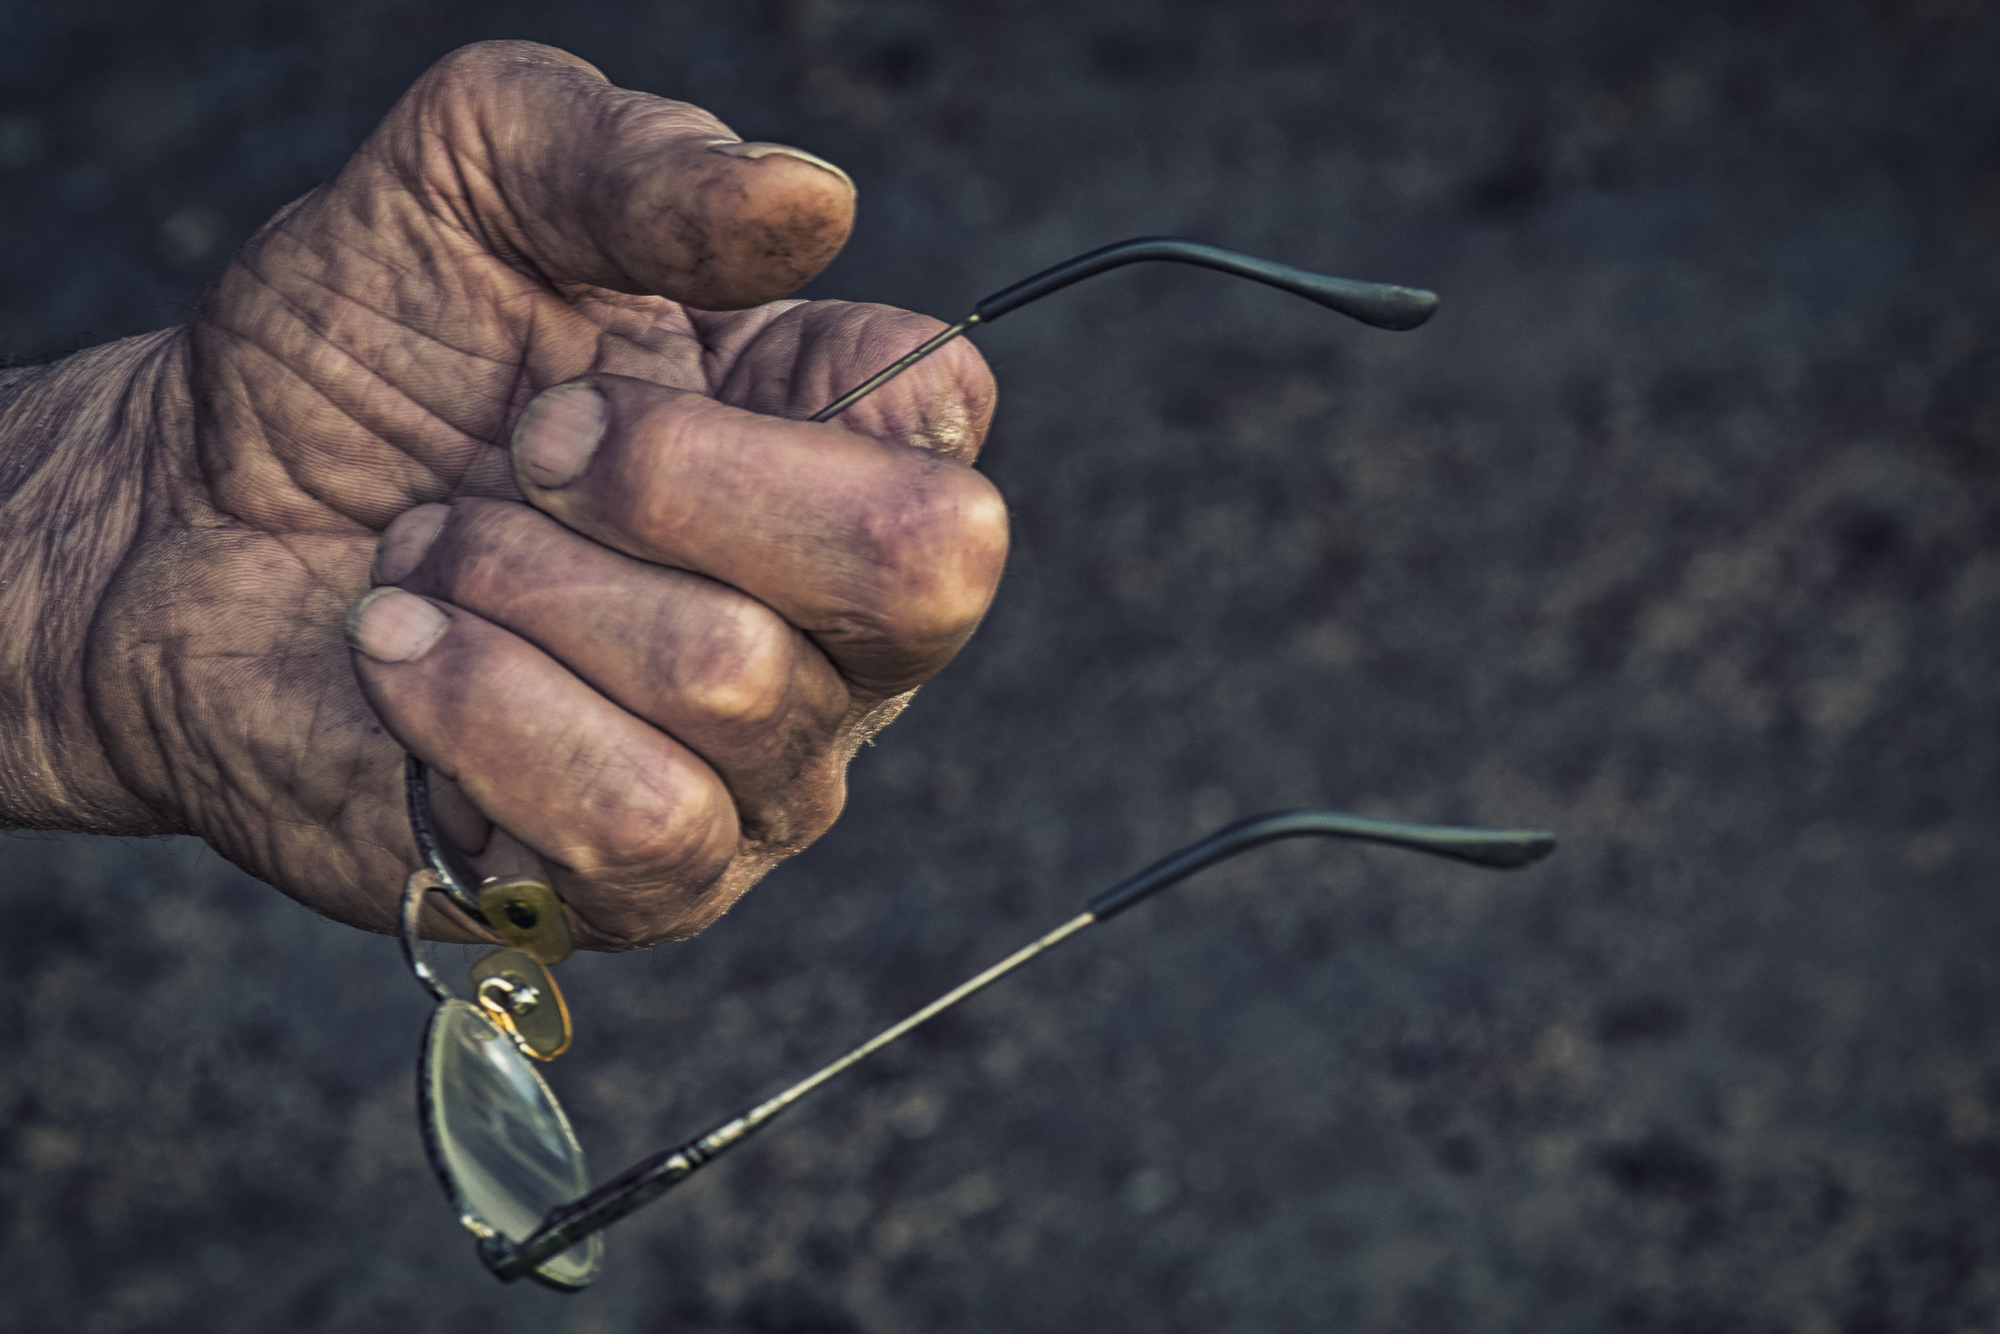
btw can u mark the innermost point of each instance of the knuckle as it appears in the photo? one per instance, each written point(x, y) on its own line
point(739, 671)
point(942, 554)
point(473, 67)
point(638, 915)
point(465, 91)
point(674, 828)
point(656, 865)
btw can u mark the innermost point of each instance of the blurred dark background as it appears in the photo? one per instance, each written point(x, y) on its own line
point(1676, 532)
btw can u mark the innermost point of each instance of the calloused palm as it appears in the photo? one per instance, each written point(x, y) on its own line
point(646, 680)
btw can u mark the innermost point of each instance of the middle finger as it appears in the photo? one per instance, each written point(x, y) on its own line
point(886, 554)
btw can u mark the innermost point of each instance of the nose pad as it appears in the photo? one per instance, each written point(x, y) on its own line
point(528, 916)
point(522, 997)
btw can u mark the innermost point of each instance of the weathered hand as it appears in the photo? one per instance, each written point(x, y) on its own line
point(516, 366)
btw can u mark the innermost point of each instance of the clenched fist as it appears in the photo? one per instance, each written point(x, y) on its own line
point(492, 450)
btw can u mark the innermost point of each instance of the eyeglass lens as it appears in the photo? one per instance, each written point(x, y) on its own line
point(499, 1138)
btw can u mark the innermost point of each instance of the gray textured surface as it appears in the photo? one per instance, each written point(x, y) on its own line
point(1678, 532)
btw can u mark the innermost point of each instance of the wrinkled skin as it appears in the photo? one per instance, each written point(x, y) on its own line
point(644, 665)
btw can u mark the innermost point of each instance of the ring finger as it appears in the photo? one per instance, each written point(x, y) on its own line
point(712, 667)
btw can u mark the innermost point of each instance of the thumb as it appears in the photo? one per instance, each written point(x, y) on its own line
point(543, 162)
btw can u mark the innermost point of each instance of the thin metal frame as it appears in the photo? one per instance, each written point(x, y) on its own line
point(1382, 305)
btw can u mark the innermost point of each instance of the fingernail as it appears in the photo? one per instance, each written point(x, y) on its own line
point(390, 625)
point(406, 539)
point(729, 148)
point(558, 433)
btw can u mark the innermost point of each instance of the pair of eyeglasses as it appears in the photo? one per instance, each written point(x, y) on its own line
point(497, 1137)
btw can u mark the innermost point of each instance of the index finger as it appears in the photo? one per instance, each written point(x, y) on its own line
point(533, 154)
point(886, 554)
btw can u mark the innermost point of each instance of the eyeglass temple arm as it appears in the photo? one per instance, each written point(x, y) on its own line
point(456, 878)
point(1502, 849)
point(1383, 305)
point(409, 918)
